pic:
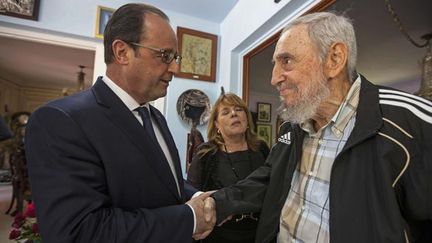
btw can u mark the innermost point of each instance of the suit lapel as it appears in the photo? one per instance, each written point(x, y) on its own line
point(163, 127)
point(124, 119)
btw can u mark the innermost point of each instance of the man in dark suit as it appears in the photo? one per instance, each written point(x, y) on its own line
point(103, 165)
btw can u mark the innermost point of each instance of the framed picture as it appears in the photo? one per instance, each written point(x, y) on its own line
point(264, 112)
point(198, 50)
point(264, 131)
point(103, 14)
point(279, 122)
point(25, 9)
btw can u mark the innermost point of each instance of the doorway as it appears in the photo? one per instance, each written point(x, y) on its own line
point(34, 69)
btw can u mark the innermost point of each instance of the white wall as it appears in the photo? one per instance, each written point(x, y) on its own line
point(76, 17)
point(248, 24)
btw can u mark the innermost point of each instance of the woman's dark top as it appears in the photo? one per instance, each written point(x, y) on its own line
point(214, 171)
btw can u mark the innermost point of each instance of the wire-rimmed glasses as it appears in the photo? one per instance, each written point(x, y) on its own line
point(167, 56)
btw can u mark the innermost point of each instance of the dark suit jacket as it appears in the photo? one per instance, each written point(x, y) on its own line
point(96, 178)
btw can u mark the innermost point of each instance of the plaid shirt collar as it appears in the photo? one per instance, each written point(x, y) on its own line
point(342, 116)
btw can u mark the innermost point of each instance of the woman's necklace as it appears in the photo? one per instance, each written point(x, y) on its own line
point(232, 164)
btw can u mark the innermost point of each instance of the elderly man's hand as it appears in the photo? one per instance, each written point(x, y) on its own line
point(205, 212)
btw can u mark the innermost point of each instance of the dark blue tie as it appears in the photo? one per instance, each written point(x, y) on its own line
point(147, 124)
point(148, 127)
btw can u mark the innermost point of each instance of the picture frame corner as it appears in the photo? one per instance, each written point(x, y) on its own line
point(264, 131)
point(264, 111)
point(32, 15)
point(209, 67)
point(99, 26)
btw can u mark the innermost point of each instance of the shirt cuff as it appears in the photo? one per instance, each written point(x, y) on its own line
point(194, 217)
point(197, 194)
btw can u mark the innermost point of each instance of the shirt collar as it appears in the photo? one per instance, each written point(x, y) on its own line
point(130, 102)
point(347, 109)
point(344, 113)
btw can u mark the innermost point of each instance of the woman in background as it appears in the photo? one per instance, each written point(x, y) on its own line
point(232, 152)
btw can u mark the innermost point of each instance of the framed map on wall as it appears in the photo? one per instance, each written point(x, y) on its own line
point(198, 50)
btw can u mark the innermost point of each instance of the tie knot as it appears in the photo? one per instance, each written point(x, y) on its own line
point(144, 112)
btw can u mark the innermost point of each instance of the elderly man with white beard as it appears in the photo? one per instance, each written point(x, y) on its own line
point(353, 161)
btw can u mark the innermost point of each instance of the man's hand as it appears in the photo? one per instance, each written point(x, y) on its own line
point(205, 212)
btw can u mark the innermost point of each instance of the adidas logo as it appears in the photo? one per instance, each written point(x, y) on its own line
point(286, 138)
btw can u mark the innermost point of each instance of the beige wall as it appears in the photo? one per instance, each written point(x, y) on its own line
point(24, 98)
point(10, 95)
point(32, 97)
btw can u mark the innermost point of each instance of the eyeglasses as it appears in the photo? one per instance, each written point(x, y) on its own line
point(167, 56)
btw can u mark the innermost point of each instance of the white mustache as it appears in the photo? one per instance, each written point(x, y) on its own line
point(286, 85)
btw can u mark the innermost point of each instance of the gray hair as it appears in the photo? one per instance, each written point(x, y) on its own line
point(326, 28)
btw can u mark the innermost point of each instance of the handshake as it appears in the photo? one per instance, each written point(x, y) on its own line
point(205, 212)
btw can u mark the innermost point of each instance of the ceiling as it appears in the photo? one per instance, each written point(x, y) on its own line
point(211, 10)
point(385, 56)
point(35, 64)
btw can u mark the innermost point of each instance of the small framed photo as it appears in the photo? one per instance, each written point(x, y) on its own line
point(198, 50)
point(103, 14)
point(264, 131)
point(25, 9)
point(264, 112)
point(279, 122)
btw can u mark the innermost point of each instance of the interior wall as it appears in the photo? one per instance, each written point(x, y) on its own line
point(385, 55)
point(410, 86)
point(33, 97)
point(19, 98)
point(250, 23)
point(10, 97)
point(77, 17)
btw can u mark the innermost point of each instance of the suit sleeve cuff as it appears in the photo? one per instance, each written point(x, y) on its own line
point(194, 218)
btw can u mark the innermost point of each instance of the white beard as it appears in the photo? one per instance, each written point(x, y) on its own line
point(307, 105)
